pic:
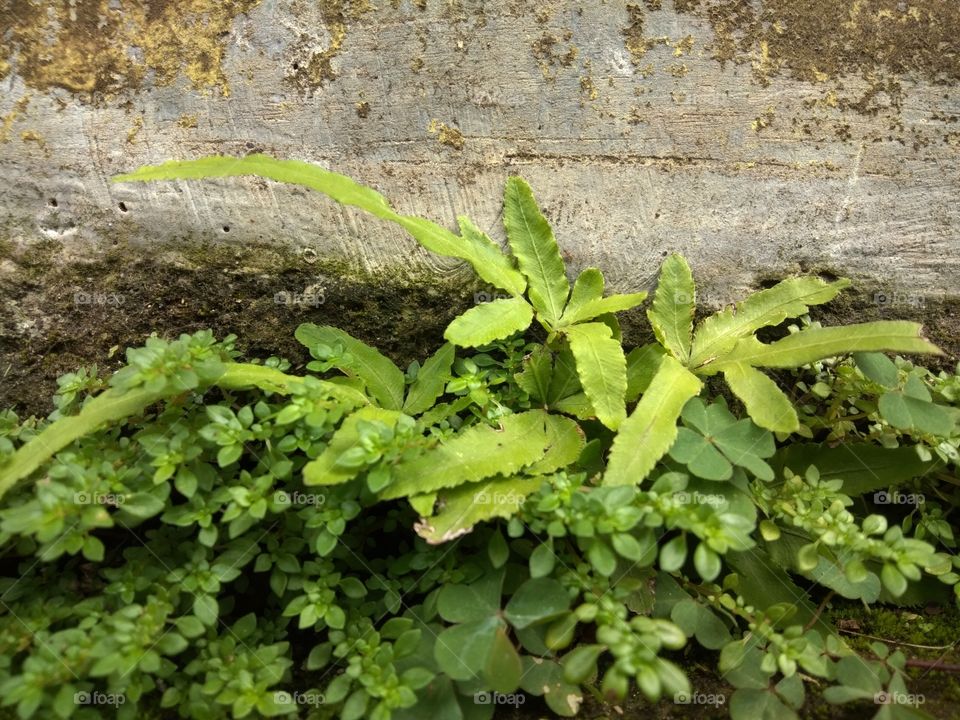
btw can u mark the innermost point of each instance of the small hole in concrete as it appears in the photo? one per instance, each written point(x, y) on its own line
point(296, 66)
point(122, 206)
point(226, 228)
point(53, 202)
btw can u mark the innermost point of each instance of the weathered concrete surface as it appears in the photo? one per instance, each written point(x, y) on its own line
point(758, 138)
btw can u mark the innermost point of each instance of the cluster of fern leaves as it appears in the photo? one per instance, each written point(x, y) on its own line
point(216, 537)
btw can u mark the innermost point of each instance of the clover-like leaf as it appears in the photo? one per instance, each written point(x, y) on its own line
point(712, 441)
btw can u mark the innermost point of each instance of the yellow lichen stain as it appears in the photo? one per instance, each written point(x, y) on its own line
point(683, 46)
point(7, 120)
point(34, 137)
point(764, 120)
point(447, 135)
point(634, 39)
point(100, 47)
point(678, 70)
point(135, 129)
point(589, 88)
point(816, 40)
point(550, 56)
point(187, 122)
point(335, 14)
point(762, 67)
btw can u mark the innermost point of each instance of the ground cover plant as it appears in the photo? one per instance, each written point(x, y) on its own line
point(531, 512)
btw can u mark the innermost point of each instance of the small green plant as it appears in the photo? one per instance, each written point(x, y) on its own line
point(206, 537)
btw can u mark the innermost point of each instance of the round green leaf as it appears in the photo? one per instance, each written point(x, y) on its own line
point(536, 600)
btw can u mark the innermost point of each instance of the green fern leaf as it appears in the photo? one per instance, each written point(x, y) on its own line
point(765, 402)
point(489, 321)
point(602, 369)
point(492, 265)
point(536, 250)
point(606, 305)
point(587, 288)
point(565, 381)
point(565, 441)
point(431, 380)
point(673, 302)
point(469, 504)
point(536, 375)
point(474, 454)
point(642, 364)
point(383, 379)
point(648, 433)
point(587, 301)
point(812, 344)
point(717, 334)
point(487, 260)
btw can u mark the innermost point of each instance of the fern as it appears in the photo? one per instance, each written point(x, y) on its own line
point(487, 259)
point(725, 342)
point(383, 379)
point(671, 316)
point(541, 277)
point(474, 454)
point(536, 250)
point(648, 433)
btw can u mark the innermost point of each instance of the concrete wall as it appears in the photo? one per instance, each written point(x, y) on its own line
point(759, 138)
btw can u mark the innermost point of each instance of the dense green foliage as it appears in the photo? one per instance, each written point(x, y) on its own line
point(203, 537)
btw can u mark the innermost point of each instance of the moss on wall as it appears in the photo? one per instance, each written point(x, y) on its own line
point(58, 316)
point(100, 48)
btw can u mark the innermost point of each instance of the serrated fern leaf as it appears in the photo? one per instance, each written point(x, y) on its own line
point(812, 344)
point(642, 364)
point(533, 244)
point(492, 265)
point(606, 305)
point(474, 454)
point(465, 506)
point(671, 315)
point(565, 441)
point(587, 288)
point(602, 369)
point(717, 334)
point(536, 375)
point(648, 433)
point(431, 380)
point(766, 404)
point(486, 259)
point(489, 321)
point(383, 379)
